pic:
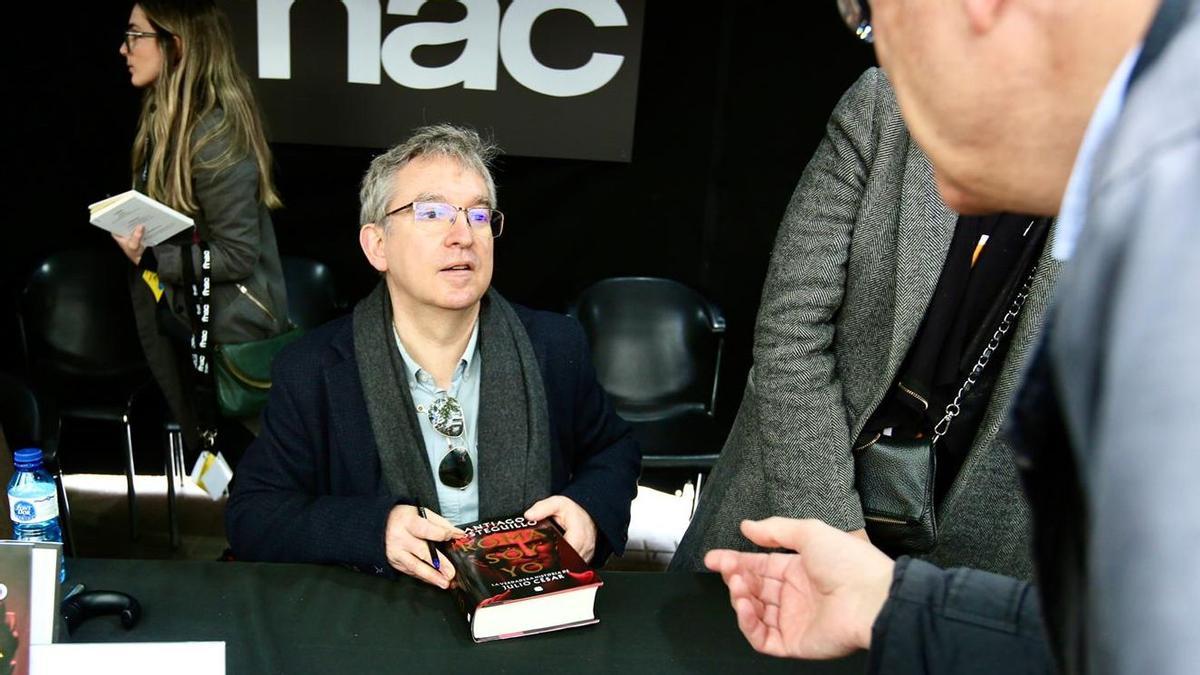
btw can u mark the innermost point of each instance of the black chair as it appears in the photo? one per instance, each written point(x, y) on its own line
point(311, 292)
point(24, 426)
point(657, 349)
point(81, 345)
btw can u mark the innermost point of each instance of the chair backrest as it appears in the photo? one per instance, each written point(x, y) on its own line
point(20, 416)
point(655, 342)
point(77, 318)
point(311, 293)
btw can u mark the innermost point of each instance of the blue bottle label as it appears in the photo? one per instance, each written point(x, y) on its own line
point(33, 510)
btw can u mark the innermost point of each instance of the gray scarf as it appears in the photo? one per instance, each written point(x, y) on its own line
point(514, 425)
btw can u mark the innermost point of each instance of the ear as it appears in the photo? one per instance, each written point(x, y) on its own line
point(983, 14)
point(372, 239)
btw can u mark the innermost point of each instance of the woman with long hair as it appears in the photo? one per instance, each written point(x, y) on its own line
point(200, 149)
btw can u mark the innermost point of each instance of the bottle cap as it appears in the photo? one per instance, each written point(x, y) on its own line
point(26, 459)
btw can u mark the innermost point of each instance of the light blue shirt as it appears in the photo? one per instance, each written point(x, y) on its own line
point(458, 505)
point(1073, 211)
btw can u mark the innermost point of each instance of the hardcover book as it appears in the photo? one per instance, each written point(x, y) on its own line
point(518, 577)
point(122, 213)
point(29, 595)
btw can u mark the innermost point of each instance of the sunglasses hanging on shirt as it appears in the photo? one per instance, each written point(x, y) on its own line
point(456, 469)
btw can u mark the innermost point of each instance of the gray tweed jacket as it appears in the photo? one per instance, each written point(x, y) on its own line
point(855, 264)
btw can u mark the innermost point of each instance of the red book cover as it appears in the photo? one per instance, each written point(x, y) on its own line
point(517, 577)
point(15, 592)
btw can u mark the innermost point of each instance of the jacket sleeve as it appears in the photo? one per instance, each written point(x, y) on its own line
point(279, 508)
point(228, 218)
point(607, 459)
point(802, 417)
point(958, 621)
point(1139, 453)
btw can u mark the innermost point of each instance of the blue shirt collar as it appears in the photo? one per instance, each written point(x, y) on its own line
point(1073, 211)
point(464, 365)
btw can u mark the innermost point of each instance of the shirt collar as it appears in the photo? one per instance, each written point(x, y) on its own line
point(464, 363)
point(1073, 211)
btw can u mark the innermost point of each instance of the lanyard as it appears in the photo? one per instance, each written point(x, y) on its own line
point(201, 345)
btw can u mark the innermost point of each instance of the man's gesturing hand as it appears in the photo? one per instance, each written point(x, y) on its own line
point(577, 525)
point(817, 603)
point(406, 541)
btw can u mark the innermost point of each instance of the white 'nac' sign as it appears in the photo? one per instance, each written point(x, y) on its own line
point(488, 36)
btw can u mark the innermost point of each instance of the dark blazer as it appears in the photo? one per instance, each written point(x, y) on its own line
point(310, 488)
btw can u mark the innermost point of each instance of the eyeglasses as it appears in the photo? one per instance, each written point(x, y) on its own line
point(131, 37)
point(446, 415)
point(857, 15)
point(436, 214)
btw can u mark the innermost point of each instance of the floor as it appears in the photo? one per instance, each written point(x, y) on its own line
point(100, 522)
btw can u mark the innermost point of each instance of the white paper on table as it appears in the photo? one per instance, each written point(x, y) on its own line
point(46, 592)
point(129, 658)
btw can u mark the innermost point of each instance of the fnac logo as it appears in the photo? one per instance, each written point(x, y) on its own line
point(24, 511)
point(489, 39)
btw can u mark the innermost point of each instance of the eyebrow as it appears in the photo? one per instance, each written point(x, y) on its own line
point(479, 200)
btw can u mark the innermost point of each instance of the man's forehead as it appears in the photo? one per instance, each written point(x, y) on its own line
point(438, 178)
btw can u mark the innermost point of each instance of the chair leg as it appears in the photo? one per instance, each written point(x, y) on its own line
point(180, 466)
point(129, 474)
point(174, 443)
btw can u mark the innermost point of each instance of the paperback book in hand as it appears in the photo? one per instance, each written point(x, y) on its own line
point(124, 212)
point(517, 577)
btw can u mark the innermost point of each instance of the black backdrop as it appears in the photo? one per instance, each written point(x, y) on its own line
point(733, 98)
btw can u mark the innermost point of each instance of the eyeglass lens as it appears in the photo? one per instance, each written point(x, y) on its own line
point(440, 212)
point(131, 38)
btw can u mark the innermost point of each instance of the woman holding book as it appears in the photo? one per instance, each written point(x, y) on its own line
point(199, 149)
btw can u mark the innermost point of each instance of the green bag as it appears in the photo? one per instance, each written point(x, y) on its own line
point(244, 373)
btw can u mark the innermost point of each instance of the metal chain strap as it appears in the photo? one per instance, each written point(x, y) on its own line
point(1006, 324)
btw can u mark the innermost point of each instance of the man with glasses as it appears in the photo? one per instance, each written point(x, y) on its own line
point(1093, 111)
point(437, 403)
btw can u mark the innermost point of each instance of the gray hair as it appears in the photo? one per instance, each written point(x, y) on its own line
point(464, 145)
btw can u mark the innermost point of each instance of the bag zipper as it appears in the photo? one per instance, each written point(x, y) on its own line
point(910, 392)
point(250, 296)
point(885, 519)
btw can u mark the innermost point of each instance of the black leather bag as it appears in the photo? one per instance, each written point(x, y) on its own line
point(895, 477)
point(895, 482)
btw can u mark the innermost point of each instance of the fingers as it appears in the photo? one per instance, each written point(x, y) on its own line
point(545, 508)
point(413, 565)
point(716, 559)
point(432, 527)
point(762, 637)
point(578, 528)
point(440, 521)
point(131, 245)
point(726, 561)
point(407, 540)
point(779, 532)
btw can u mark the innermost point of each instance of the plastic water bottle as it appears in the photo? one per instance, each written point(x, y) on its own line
point(33, 501)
